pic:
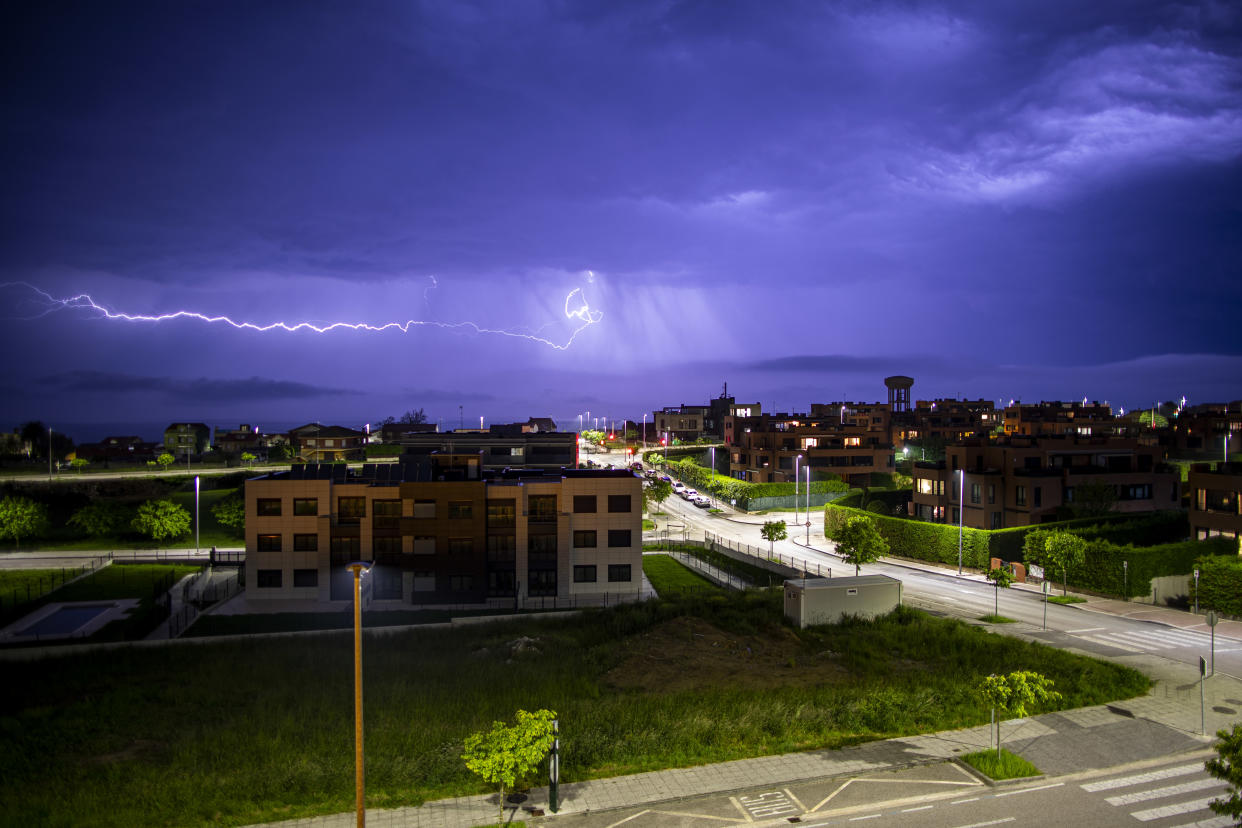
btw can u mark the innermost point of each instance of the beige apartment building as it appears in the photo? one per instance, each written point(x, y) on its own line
point(770, 447)
point(1215, 500)
point(441, 530)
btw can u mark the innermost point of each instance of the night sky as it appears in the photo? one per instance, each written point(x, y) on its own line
point(614, 206)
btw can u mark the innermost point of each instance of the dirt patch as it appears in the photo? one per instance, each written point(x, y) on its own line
point(690, 654)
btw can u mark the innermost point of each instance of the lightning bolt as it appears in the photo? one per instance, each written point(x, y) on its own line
point(577, 310)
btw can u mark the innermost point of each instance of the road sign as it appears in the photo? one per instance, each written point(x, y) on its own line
point(1047, 587)
point(1202, 666)
point(1211, 618)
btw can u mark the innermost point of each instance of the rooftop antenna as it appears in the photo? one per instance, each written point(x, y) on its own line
point(461, 418)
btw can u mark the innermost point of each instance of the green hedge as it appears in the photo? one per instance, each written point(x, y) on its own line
point(915, 539)
point(1220, 583)
point(1102, 569)
point(728, 488)
point(1137, 530)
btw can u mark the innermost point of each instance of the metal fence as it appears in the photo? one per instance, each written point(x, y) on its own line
point(765, 556)
point(712, 573)
point(13, 601)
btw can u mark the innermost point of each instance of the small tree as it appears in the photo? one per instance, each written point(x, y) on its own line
point(657, 491)
point(413, 417)
point(21, 517)
point(280, 451)
point(773, 530)
point(1227, 767)
point(79, 463)
point(101, 518)
point(161, 520)
point(231, 513)
point(165, 460)
point(248, 458)
point(1064, 551)
point(1001, 578)
point(505, 754)
point(1012, 694)
point(1093, 499)
point(860, 542)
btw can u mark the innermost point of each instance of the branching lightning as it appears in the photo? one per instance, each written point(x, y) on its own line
point(577, 311)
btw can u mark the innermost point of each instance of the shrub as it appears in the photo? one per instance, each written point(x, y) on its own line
point(922, 541)
point(1220, 583)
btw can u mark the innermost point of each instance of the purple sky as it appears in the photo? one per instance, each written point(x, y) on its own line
point(1035, 200)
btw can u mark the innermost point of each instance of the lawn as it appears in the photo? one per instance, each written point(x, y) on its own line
point(1004, 766)
point(21, 587)
point(246, 731)
point(668, 575)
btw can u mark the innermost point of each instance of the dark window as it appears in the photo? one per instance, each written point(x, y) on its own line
point(584, 503)
point(619, 503)
point(976, 491)
point(269, 543)
point(618, 537)
point(305, 543)
point(501, 548)
point(268, 579)
point(351, 509)
point(542, 508)
point(461, 583)
point(387, 513)
point(345, 550)
point(306, 577)
point(386, 549)
point(991, 493)
point(542, 582)
point(424, 545)
point(268, 507)
point(306, 506)
point(461, 546)
point(1039, 496)
point(501, 514)
point(387, 584)
point(541, 544)
point(584, 539)
point(619, 573)
point(996, 520)
point(584, 574)
point(460, 510)
point(1019, 494)
point(502, 582)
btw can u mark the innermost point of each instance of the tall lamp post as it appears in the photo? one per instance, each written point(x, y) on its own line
point(711, 481)
point(797, 460)
point(961, 516)
point(808, 501)
point(644, 432)
point(49, 452)
point(196, 547)
point(358, 568)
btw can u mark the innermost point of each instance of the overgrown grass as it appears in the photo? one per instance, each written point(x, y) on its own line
point(668, 575)
point(1005, 766)
point(237, 732)
point(1066, 599)
point(996, 619)
point(648, 524)
point(751, 573)
point(275, 622)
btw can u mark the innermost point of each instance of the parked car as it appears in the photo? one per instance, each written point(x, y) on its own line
point(679, 487)
point(666, 478)
point(688, 494)
point(703, 502)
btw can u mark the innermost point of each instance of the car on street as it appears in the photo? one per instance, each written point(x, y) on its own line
point(703, 502)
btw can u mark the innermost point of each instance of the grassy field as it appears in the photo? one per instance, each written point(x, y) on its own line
point(20, 588)
point(1005, 766)
point(667, 575)
point(246, 731)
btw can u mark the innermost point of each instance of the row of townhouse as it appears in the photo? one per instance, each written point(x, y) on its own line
point(1215, 500)
point(1018, 481)
point(442, 529)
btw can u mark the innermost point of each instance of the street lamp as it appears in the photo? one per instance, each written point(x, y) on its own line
point(712, 480)
point(358, 568)
point(808, 503)
point(644, 432)
point(49, 452)
point(961, 516)
point(196, 547)
point(797, 460)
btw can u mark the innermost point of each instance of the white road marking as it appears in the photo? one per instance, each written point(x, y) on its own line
point(992, 822)
point(868, 816)
point(1028, 790)
point(1160, 793)
point(628, 818)
point(795, 799)
point(1172, 810)
point(1139, 779)
point(1087, 629)
point(1109, 643)
point(964, 801)
point(920, 808)
point(1214, 822)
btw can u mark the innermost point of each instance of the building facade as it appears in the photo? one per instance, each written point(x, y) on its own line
point(443, 530)
point(181, 439)
point(1019, 481)
point(501, 446)
point(1215, 500)
point(770, 448)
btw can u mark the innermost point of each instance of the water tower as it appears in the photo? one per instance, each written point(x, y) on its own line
point(898, 393)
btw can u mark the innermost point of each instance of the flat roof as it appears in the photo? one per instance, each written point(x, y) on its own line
point(849, 581)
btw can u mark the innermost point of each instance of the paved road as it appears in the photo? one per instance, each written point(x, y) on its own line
point(971, 597)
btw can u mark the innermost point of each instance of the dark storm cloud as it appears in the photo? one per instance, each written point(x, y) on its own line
point(202, 388)
point(842, 363)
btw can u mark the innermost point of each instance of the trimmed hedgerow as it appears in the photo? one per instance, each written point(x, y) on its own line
point(1220, 583)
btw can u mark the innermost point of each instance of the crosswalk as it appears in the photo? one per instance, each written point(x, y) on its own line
point(1177, 793)
point(1148, 640)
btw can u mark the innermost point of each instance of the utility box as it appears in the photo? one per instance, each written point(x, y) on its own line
point(811, 601)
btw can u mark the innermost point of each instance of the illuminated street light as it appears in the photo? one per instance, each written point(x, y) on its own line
point(359, 568)
point(797, 460)
point(961, 516)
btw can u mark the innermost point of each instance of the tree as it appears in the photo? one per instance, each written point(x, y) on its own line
point(657, 491)
point(166, 460)
point(35, 434)
point(280, 451)
point(21, 517)
point(860, 542)
point(1227, 767)
point(773, 530)
point(248, 458)
point(1064, 551)
point(79, 463)
point(101, 518)
point(413, 417)
point(161, 520)
point(1093, 499)
point(1001, 578)
point(1012, 694)
point(505, 754)
point(231, 512)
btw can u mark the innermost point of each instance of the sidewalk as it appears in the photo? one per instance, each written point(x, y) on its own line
point(1163, 723)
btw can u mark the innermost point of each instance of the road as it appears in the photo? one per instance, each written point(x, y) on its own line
point(971, 597)
point(1160, 793)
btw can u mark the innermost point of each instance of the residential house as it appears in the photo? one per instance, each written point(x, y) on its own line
point(181, 439)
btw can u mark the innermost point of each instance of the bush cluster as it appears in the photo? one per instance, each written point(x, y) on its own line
point(1220, 583)
point(727, 488)
point(922, 541)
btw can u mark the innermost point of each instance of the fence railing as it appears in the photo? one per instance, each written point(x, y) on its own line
point(13, 601)
point(764, 556)
point(712, 573)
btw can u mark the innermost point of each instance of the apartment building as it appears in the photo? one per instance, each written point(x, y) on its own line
point(502, 446)
point(679, 422)
point(948, 420)
point(181, 439)
point(770, 447)
point(1215, 500)
point(441, 529)
point(1080, 418)
point(1204, 432)
point(1019, 481)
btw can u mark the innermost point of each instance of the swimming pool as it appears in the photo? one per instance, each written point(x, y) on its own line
point(66, 620)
